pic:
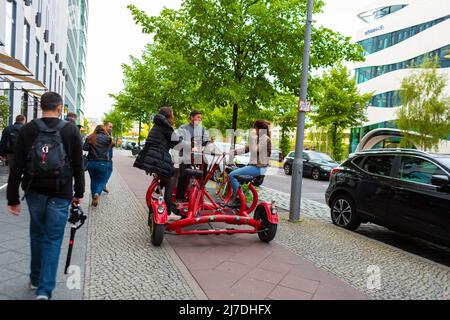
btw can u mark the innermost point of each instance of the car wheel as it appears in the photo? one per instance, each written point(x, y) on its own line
point(343, 213)
point(316, 174)
point(287, 169)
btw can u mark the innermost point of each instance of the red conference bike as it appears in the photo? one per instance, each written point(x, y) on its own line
point(200, 209)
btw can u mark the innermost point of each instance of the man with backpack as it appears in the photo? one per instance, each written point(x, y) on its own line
point(49, 156)
point(9, 140)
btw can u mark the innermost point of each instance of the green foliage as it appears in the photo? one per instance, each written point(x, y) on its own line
point(119, 122)
point(4, 112)
point(340, 107)
point(426, 110)
point(214, 55)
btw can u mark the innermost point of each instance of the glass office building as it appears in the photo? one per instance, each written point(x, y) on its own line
point(35, 53)
point(399, 36)
point(76, 59)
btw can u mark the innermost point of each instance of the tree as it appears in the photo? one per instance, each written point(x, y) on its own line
point(86, 126)
point(119, 121)
point(426, 110)
point(340, 106)
point(4, 112)
point(242, 53)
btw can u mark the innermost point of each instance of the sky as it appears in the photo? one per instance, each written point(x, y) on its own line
point(113, 37)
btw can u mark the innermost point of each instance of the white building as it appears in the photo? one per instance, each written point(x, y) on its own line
point(399, 34)
point(33, 50)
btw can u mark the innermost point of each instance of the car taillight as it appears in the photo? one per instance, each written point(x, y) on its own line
point(336, 171)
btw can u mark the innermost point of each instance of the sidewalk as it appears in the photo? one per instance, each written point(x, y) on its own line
point(240, 267)
point(15, 255)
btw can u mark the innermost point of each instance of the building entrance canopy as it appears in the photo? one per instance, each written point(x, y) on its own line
point(13, 71)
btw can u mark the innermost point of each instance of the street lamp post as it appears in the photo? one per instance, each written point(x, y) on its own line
point(297, 173)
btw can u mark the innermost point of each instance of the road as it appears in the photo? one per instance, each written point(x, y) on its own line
point(312, 190)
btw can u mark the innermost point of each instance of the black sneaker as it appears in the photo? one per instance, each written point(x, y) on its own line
point(177, 212)
point(236, 204)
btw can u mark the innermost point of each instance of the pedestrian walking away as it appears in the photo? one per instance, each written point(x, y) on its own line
point(109, 129)
point(9, 140)
point(50, 186)
point(98, 146)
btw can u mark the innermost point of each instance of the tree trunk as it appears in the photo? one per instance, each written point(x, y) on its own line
point(235, 119)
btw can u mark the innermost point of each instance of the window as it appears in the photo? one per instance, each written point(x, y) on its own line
point(389, 99)
point(51, 75)
point(379, 165)
point(26, 44)
point(382, 42)
point(37, 58)
point(418, 170)
point(35, 108)
point(24, 108)
point(291, 155)
point(10, 32)
point(45, 68)
point(306, 157)
point(358, 161)
point(372, 15)
point(368, 73)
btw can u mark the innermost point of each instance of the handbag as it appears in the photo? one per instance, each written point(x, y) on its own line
point(85, 162)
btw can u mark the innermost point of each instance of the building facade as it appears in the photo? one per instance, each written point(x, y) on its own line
point(400, 34)
point(76, 57)
point(34, 52)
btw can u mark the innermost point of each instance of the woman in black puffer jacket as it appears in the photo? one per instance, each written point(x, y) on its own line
point(155, 157)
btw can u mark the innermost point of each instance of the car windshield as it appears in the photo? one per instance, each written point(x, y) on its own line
point(320, 156)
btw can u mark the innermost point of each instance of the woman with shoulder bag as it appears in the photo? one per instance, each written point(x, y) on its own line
point(98, 145)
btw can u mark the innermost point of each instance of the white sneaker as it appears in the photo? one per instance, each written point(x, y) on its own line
point(33, 288)
point(42, 298)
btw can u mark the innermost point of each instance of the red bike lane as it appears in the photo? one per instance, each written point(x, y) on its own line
point(241, 267)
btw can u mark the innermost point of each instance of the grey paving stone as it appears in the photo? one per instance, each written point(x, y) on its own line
point(9, 257)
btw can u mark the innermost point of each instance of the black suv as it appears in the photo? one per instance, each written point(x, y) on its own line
point(403, 190)
point(315, 165)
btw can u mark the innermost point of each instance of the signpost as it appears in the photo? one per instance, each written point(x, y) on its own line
point(304, 106)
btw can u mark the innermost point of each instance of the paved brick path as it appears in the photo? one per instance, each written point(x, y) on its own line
point(240, 266)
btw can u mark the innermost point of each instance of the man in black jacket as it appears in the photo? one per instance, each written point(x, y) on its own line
point(48, 200)
point(9, 140)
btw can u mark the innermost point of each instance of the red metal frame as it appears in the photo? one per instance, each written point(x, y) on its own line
point(200, 212)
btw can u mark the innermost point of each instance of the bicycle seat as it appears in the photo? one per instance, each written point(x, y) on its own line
point(193, 173)
point(245, 179)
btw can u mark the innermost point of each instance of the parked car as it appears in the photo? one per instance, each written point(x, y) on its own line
point(403, 190)
point(315, 165)
point(276, 155)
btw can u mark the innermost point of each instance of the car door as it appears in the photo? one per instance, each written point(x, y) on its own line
point(307, 165)
point(374, 190)
point(422, 207)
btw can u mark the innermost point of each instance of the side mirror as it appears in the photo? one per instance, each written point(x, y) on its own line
point(440, 181)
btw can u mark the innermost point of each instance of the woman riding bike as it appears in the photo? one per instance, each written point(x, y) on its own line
point(155, 157)
point(260, 148)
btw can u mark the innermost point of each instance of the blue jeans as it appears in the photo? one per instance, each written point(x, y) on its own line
point(98, 171)
point(246, 171)
point(110, 171)
point(48, 220)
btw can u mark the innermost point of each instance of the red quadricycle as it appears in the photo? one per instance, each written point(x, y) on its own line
point(200, 209)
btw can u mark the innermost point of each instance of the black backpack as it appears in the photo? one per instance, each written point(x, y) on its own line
point(12, 139)
point(47, 159)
